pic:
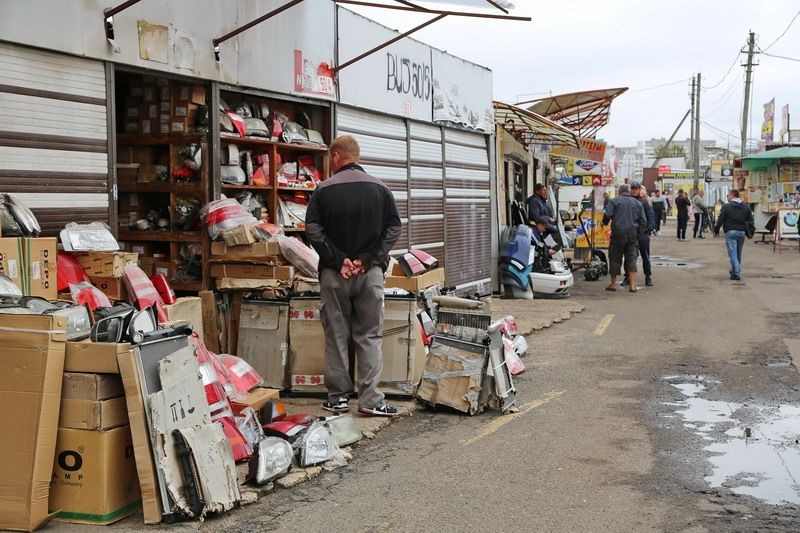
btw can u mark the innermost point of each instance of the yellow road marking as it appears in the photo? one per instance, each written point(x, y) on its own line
point(499, 422)
point(601, 327)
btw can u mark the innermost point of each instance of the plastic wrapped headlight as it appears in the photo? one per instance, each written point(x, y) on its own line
point(318, 445)
point(345, 429)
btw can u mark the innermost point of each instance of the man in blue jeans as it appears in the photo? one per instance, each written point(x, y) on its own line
point(734, 218)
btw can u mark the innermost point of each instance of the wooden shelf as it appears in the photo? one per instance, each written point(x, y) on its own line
point(160, 186)
point(160, 236)
point(192, 286)
point(259, 141)
point(293, 230)
point(128, 139)
point(245, 187)
point(293, 189)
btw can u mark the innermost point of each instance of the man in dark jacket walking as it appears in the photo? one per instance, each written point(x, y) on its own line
point(628, 221)
point(682, 204)
point(639, 192)
point(734, 219)
point(352, 222)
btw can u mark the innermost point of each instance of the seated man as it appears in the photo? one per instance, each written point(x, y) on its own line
point(543, 253)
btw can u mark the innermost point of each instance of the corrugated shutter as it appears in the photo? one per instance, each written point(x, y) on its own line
point(384, 154)
point(53, 135)
point(426, 189)
point(467, 210)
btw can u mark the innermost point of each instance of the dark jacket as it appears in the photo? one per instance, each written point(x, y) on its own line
point(734, 216)
point(650, 215)
point(682, 204)
point(626, 214)
point(352, 215)
point(539, 211)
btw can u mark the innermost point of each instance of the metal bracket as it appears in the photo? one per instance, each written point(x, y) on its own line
point(259, 20)
point(108, 17)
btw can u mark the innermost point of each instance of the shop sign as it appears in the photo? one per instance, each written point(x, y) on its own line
point(590, 149)
point(600, 235)
point(664, 169)
point(462, 93)
point(583, 167)
point(397, 80)
point(313, 77)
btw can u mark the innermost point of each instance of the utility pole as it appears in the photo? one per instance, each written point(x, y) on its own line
point(751, 42)
point(697, 137)
point(691, 123)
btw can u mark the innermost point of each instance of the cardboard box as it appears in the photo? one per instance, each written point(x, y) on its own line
point(190, 309)
point(181, 110)
point(416, 283)
point(94, 476)
point(239, 235)
point(252, 252)
point(148, 126)
point(195, 94)
point(453, 374)
point(84, 386)
point(162, 267)
point(251, 271)
point(93, 414)
point(106, 264)
point(256, 399)
point(40, 271)
point(94, 357)
point(304, 285)
point(114, 288)
point(264, 340)
point(142, 450)
point(11, 262)
point(403, 348)
point(148, 111)
point(31, 369)
point(306, 346)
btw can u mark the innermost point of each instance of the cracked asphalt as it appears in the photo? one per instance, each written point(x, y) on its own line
point(597, 447)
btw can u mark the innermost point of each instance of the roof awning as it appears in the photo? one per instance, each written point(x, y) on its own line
point(584, 112)
point(786, 152)
point(528, 127)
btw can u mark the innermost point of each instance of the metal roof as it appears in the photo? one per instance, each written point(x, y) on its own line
point(584, 112)
point(528, 127)
point(785, 152)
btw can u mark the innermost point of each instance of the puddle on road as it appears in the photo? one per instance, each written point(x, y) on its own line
point(759, 459)
point(666, 261)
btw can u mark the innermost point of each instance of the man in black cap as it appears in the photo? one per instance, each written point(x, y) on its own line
point(628, 221)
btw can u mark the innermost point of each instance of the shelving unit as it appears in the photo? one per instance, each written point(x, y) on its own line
point(277, 150)
point(146, 180)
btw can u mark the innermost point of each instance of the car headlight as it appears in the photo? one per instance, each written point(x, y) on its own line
point(273, 459)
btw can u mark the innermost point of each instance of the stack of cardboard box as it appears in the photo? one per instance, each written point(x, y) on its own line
point(251, 265)
point(94, 477)
point(157, 106)
point(31, 264)
point(105, 270)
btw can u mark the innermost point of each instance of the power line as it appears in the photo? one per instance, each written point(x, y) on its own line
point(735, 60)
point(727, 95)
point(676, 82)
point(784, 32)
point(781, 57)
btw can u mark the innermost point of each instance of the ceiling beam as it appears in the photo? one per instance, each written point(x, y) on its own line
point(252, 23)
point(433, 11)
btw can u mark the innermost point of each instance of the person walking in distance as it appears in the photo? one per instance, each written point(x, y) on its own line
point(682, 204)
point(644, 238)
point(735, 218)
point(659, 204)
point(628, 221)
point(700, 212)
point(352, 222)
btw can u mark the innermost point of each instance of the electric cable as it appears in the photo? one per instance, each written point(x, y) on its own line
point(735, 60)
point(782, 34)
point(781, 57)
point(667, 84)
point(725, 97)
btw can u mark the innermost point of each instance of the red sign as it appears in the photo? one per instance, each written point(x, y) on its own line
point(664, 169)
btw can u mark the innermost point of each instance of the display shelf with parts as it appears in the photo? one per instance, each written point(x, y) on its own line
point(162, 169)
point(274, 161)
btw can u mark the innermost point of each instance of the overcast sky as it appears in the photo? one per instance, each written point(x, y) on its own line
point(574, 45)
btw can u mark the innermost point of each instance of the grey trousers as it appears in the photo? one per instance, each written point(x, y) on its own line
point(353, 308)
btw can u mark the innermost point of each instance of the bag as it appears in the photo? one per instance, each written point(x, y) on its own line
point(750, 229)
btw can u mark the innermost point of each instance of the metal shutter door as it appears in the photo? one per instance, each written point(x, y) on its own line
point(53, 135)
point(384, 154)
point(426, 189)
point(467, 211)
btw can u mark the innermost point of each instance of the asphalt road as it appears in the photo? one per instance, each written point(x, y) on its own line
point(597, 445)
